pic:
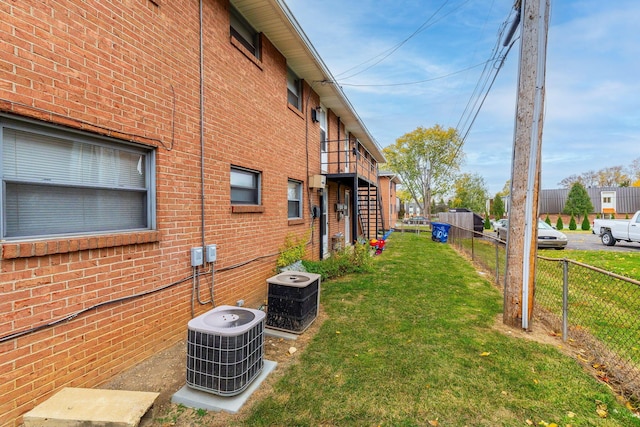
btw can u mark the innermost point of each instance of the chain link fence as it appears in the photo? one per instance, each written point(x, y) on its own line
point(595, 311)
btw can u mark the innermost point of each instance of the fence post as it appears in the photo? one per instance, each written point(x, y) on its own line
point(565, 299)
point(473, 253)
point(495, 244)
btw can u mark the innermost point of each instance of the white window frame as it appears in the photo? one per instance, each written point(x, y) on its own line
point(58, 182)
point(294, 89)
point(245, 182)
point(294, 195)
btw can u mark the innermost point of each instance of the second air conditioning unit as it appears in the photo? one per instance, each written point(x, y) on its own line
point(293, 300)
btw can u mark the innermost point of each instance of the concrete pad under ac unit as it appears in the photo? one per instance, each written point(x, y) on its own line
point(72, 407)
point(197, 399)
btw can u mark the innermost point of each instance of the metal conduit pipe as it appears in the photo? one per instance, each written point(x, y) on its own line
point(195, 289)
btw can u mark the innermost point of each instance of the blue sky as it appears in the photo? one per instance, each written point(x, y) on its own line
point(592, 110)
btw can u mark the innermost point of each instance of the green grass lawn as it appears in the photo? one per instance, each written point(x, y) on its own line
point(412, 344)
point(624, 263)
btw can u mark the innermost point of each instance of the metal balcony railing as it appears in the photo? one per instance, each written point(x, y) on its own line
point(335, 159)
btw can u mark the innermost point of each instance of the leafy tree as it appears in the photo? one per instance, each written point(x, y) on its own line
point(497, 208)
point(470, 192)
point(404, 197)
point(612, 176)
point(634, 172)
point(441, 206)
point(426, 161)
point(547, 220)
point(589, 178)
point(487, 222)
point(506, 190)
point(586, 225)
point(578, 201)
point(572, 223)
point(569, 181)
point(559, 224)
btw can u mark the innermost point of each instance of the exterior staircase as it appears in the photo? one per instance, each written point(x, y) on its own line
point(370, 218)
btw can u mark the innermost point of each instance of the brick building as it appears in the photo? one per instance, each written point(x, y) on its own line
point(390, 204)
point(132, 132)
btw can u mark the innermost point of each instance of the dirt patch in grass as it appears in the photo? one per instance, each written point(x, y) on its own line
point(165, 373)
point(539, 332)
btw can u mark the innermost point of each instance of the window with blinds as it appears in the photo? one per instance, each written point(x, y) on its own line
point(242, 31)
point(57, 182)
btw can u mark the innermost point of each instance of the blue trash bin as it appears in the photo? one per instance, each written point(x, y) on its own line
point(440, 231)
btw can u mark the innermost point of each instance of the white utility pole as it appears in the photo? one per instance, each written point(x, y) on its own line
point(525, 167)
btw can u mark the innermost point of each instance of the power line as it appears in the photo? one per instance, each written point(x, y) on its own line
point(485, 81)
point(387, 53)
point(419, 81)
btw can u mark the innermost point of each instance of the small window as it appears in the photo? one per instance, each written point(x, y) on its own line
point(242, 31)
point(245, 187)
point(294, 199)
point(294, 89)
point(57, 182)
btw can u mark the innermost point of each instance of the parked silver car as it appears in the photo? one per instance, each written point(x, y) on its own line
point(499, 223)
point(548, 237)
point(416, 220)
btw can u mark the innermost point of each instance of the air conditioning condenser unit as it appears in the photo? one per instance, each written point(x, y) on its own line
point(293, 300)
point(225, 349)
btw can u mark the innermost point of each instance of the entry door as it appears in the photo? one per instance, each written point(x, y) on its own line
point(324, 144)
point(347, 218)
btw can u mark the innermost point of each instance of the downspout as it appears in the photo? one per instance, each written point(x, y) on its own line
point(195, 290)
point(391, 208)
point(202, 210)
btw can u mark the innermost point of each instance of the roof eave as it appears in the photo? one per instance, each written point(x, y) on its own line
point(274, 19)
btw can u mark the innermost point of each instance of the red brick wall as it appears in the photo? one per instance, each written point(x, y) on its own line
point(131, 70)
point(388, 194)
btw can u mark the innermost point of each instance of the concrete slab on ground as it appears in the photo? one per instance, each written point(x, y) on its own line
point(72, 407)
point(197, 399)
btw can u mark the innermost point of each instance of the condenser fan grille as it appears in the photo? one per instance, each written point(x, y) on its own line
point(225, 350)
point(229, 318)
